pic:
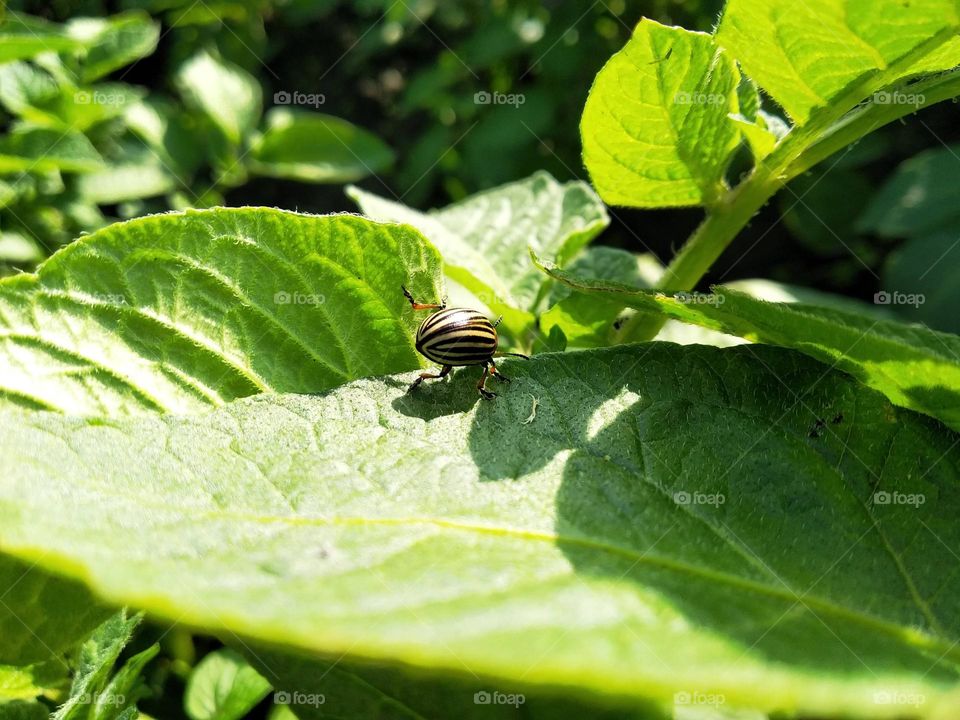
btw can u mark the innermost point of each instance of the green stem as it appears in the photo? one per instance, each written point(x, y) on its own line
point(827, 131)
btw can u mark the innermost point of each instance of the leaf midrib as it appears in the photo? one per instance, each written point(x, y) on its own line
point(911, 636)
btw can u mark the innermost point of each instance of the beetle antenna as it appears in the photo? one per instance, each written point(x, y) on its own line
point(520, 355)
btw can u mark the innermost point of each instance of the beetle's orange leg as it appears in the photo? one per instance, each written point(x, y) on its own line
point(430, 376)
point(422, 306)
point(482, 386)
point(497, 374)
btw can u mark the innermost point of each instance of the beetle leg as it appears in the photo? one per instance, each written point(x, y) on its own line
point(481, 386)
point(430, 376)
point(422, 306)
point(497, 374)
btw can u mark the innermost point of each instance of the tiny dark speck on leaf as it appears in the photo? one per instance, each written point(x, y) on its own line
point(837, 419)
point(816, 428)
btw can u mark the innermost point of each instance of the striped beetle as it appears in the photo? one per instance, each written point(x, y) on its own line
point(457, 336)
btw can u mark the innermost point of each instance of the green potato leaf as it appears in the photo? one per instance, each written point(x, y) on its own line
point(484, 239)
point(224, 92)
point(37, 150)
point(182, 311)
point(656, 131)
point(312, 147)
point(807, 55)
point(622, 535)
point(223, 686)
point(24, 36)
point(915, 367)
point(113, 42)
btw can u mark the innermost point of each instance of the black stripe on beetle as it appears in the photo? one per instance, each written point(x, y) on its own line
point(454, 337)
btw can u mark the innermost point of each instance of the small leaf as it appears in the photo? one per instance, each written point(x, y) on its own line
point(94, 663)
point(113, 42)
point(656, 131)
point(18, 249)
point(223, 687)
point(24, 36)
point(42, 150)
point(161, 125)
point(226, 93)
point(805, 56)
point(588, 321)
point(918, 199)
point(136, 174)
point(313, 147)
point(924, 269)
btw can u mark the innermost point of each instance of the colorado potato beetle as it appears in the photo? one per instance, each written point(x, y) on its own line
point(454, 337)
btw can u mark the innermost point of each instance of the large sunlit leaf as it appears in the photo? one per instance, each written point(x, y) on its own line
point(612, 522)
point(805, 55)
point(914, 366)
point(313, 147)
point(484, 239)
point(181, 311)
point(656, 131)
